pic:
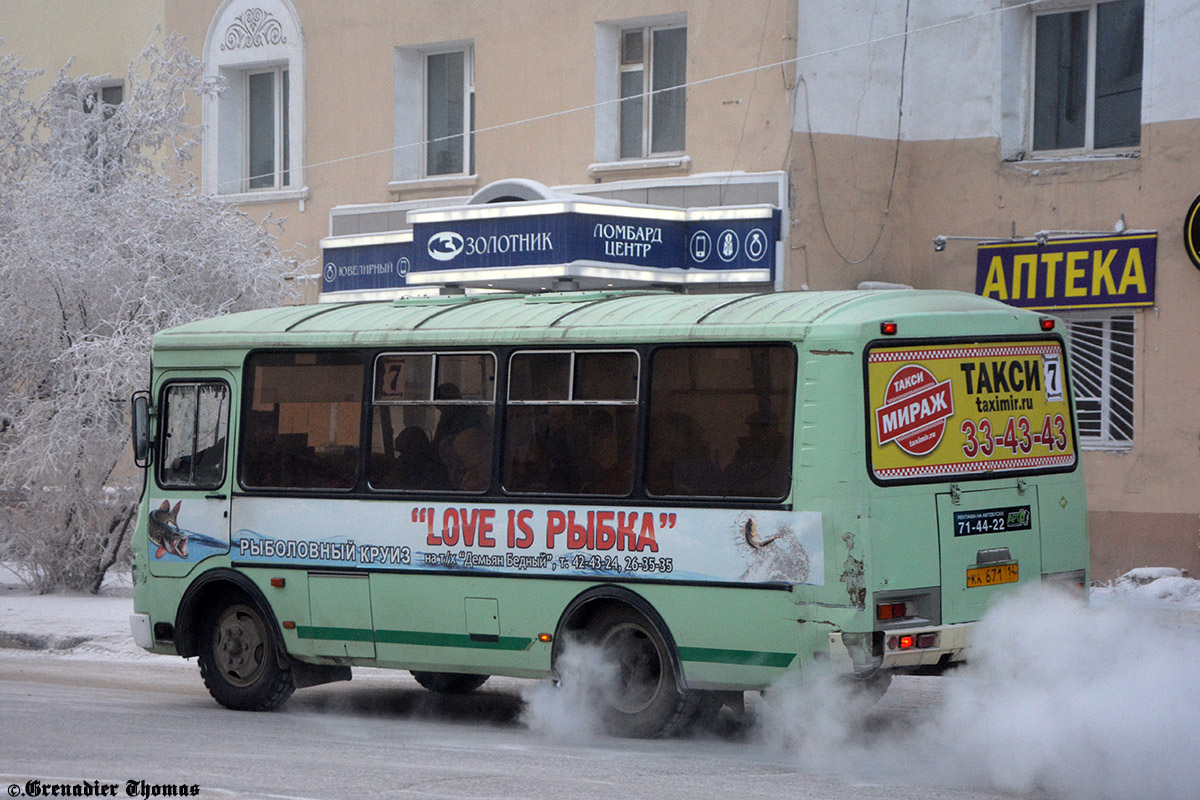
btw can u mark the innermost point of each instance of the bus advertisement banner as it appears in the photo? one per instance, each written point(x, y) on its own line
point(701, 545)
point(959, 410)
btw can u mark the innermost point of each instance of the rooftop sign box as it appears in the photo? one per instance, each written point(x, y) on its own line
point(1057, 274)
point(520, 245)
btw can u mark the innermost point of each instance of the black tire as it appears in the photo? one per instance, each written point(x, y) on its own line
point(450, 682)
point(644, 699)
point(238, 658)
point(873, 688)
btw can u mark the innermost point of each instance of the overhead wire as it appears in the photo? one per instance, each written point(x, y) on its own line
point(895, 156)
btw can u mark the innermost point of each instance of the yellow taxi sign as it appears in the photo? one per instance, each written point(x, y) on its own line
point(968, 409)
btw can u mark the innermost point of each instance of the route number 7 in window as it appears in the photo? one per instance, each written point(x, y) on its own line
point(1052, 372)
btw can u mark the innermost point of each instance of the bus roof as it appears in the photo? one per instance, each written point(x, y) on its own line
point(582, 316)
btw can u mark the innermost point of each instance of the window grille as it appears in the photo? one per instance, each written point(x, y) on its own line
point(1102, 379)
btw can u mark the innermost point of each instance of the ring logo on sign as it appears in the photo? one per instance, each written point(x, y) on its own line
point(444, 245)
point(914, 411)
point(330, 272)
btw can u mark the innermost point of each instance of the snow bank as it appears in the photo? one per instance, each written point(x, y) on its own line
point(1150, 587)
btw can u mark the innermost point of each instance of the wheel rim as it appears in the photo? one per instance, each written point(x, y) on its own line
point(639, 667)
point(240, 645)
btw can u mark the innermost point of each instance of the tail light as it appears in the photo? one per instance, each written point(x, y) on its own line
point(891, 611)
point(1074, 582)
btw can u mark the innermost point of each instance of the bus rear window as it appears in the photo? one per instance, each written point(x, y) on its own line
point(948, 411)
point(721, 422)
point(301, 425)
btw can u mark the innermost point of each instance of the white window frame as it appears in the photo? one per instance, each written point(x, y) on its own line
point(646, 66)
point(281, 174)
point(1113, 380)
point(1089, 128)
point(409, 112)
point(607, 120)
point(468, 123)
point(244, 40)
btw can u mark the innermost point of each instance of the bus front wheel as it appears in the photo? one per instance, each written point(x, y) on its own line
point(238, 659)
point(642, 698)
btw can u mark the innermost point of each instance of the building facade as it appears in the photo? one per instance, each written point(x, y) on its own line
point(1042, 152)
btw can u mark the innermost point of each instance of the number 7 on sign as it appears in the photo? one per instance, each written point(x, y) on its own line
point(1052, 372)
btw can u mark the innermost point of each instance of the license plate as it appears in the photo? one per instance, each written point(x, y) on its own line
point(991, 575)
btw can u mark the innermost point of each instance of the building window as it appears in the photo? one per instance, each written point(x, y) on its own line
point(1087, 77)
point(450, 113)
point(267, 146)
point(1102, 379)
point(106, 99)
point(434, 114)
point(254, 128)
point(652, 112)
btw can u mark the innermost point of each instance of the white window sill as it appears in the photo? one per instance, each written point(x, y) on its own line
point(265, 196)
point(448, 184)
point(1076, 157)
point(1115, 448)
point(681, 163)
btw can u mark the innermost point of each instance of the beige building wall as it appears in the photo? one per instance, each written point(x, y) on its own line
point(1144, 506)
point(101, 37)
point(868, 189)
point(535, 88)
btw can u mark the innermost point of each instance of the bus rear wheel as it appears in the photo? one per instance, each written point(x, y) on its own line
point(643, 699)
point(450, 682)
point(238, 659)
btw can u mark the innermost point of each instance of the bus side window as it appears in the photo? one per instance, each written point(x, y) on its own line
point(571, 422)
point(300, 427)
point(721, 422)
point(433, 416)
point(195, 426)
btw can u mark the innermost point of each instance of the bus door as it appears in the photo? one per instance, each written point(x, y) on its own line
point(990, 540)
point(189, 495)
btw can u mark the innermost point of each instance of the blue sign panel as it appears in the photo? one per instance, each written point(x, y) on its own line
point(1092, 272)
point(535, 240)
point(458, 241)
point(366, 267)
point(737, 244)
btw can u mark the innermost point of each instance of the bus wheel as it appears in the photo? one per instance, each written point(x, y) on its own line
point(238, 660)
point(643, 698)
point(450, 682)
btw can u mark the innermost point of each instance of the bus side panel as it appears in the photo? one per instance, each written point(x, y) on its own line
point(1064, 525)
point(744, 638)
point(466, 624)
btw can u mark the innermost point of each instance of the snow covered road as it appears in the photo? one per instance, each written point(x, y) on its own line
point(1062, 701)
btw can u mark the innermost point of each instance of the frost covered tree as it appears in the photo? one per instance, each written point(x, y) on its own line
point(105, 239)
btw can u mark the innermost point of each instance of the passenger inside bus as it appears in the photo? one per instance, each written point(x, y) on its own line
point(470, 460)
point(681, 460)
point(415, 465)
point(760, 460)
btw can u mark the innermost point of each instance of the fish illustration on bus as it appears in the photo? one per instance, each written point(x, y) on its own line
point(164, 531)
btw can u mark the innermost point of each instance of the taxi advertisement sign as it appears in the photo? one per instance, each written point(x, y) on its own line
point(947, 410)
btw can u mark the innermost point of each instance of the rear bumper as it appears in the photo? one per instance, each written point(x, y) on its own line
point(949, 644)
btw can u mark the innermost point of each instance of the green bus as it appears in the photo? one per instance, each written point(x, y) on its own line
point(717, 491)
